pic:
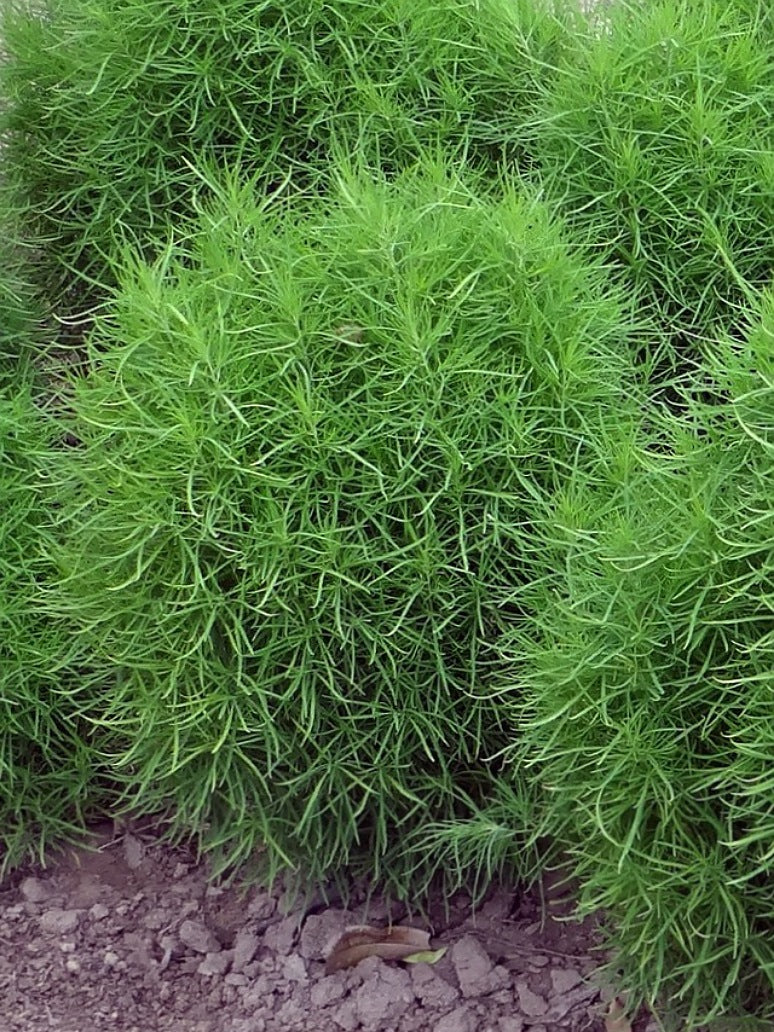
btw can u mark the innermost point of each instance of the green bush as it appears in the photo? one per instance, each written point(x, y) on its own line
point(356, 540)
point(113, 105)
point(49, 764)
point(644, 705)
point(18, 318)
point(313, 445)
point(656, 136)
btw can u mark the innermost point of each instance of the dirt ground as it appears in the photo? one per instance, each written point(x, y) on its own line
point(132, 936)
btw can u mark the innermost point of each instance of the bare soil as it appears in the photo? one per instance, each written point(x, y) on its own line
point(131, 935)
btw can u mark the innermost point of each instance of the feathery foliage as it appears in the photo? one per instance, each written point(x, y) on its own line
point(657, 137)
point(115, 107)
point(313, 447)
point(644, 705)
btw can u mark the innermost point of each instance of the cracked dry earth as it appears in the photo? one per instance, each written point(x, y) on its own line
point(132, 936)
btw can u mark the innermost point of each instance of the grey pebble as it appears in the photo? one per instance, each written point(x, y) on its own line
point(215, 963)
point(245, 948)
point(59, 921)
point(432, 990)
point(262, 906)
point(511, 1024)
point(197, 936)
point(459, 1020)
point(532, 1005)
point(345, 1016)
point(326, 992)
point(155, 920)
point(578, 997)
point(321, 931)
point(475, 972)
point(280, 937)
point(235, 979)
point(34, 890)
point(565, 979)
point(134, 852)
point(294, 969)
point(385, 995)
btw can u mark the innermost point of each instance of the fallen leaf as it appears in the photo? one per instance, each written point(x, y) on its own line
point(426, 956)
point(615, 1019)
point(363, 941)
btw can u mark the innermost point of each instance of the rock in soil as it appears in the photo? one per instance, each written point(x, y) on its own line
point(196, 936)
point(132, 937)
point(59, 922)
point(34, 890)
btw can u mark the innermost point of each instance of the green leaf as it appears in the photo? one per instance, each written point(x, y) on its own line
point(426, 956)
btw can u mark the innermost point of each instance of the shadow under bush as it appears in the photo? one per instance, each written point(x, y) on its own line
point(314, 446)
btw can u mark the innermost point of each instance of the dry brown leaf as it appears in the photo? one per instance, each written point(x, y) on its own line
point(615, 1019)
point(363, 941)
